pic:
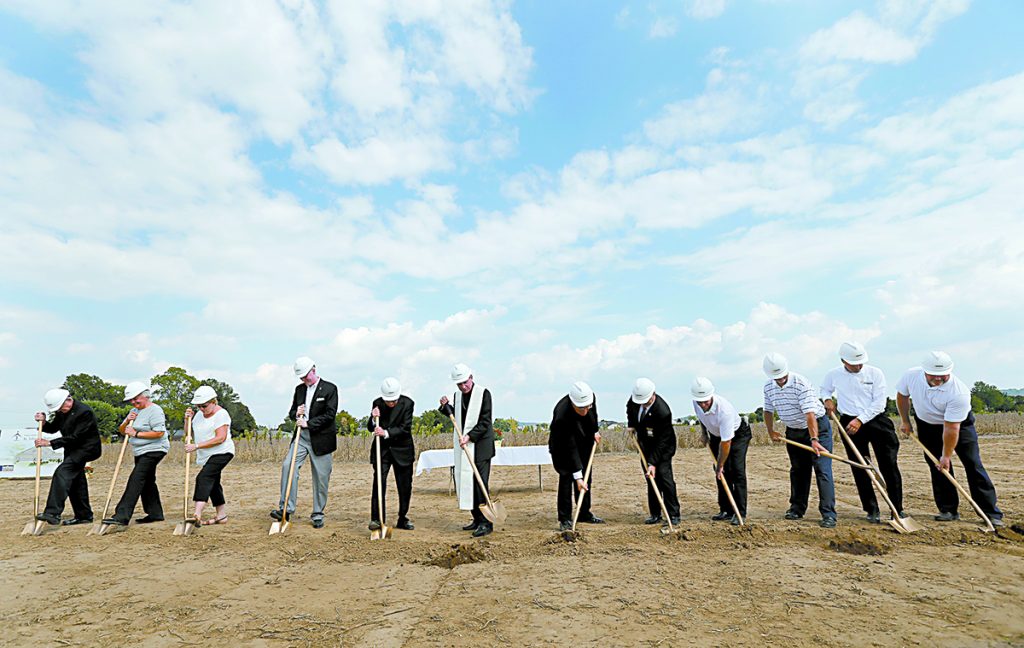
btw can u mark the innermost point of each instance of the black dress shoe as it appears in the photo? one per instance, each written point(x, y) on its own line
point(472, 526)
point(792, 515)
point(404, 524)
point(593, 519)
point(722, 515)
point(482, 530)
point(276, 514)
point(654, 519)
point(374, 525)
point(318, 523)
point(565, 525)
point(947, 516)
point(74, 521)
point(874, 517)
point(675, 521)
point(149, 519)
point(115, 521)
point(735, 521)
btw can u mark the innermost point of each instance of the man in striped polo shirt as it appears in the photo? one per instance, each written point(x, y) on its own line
point(794, 401)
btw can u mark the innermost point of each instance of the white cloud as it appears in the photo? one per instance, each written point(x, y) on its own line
point(377, 160)
point(705, 9)
point(859, 38)
point(663, 27)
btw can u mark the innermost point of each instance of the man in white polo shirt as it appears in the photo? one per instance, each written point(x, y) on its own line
point(859, 390)
point(794, 401)
point(729, 436)
point(945, 423)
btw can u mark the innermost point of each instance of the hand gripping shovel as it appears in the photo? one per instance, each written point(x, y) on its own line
point(577, 503)
point(900, 524)
point(728, 493)
point(977, 509)
point(187, 526)
point(100, 528)
point(280, 526)
point(493, 511)
point(657, 493)
point(384, 532)
point(36, 527)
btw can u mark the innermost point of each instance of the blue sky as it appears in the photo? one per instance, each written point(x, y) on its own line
point(549, 192)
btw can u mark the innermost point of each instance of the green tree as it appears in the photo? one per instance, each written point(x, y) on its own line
point(348, 425)
point(242, 420)
point(108, 417)
point(757, 416)
point(992, 398)
point(175, 388)
point(86, 387)
point(431, 422)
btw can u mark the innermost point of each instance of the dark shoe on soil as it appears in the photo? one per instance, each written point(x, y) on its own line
point(276, 514)
point(404, 524)
point(149, 519)
point(654, 519)
point(947, 516)
point(483, 529)
point(318, 523)
point(471, 526)
point(793, 515)
point(873, 517)
point(827, 523)
point(374, 525)
point(722, 515)
point(565, 525)
point(115, 521)
point(593, 519)
point(73, 521)
point(735, 521)
point(997, 522)
point(676, 521)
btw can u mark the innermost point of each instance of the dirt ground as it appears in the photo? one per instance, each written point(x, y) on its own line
point(776, 582)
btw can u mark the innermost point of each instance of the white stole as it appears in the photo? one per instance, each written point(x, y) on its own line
point(463, 470)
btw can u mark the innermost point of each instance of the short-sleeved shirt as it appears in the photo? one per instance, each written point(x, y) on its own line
point(949, 402)
point(204, 429)
point(150, 418)
point(793, 401)
point(721, 419)
point(860, 394)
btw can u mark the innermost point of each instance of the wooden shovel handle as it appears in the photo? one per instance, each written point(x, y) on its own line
point(963, 491)
point(380, 509)
point(725, 487)
point(39, 461)
point(654, 487)
point(472, 464)
point(184, 498)
point(291, 475)
point(826, 453)
point(113, 480)
point(578, 504)
point(871, 473)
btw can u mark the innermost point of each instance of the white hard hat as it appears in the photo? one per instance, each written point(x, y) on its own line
point(581, 394)
point(643, 389)
point(204, 394)
point(853, 353)
point(701, 389)
point(937, 363)
point(54, 399)
point(775, 365)
point(133, 389)
point(302, 366)
point(390, 389)
point(461, 373)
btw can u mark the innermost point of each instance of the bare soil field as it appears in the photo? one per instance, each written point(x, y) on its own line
point(775, 582)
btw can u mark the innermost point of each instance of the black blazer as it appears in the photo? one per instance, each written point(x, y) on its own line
point(655, 432)
point(397, 421)
point(79, 433)
point(482, 434)
point(571, 437)
point(323, 429)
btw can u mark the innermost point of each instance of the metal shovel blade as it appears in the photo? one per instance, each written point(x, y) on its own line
point(98, 529)
point(184, 528)
point(278, 527)
point(495, 513)
point(35, 527)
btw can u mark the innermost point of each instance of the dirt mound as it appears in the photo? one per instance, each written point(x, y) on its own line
point(459, 554)
point(1014, 532)
point(858, 546)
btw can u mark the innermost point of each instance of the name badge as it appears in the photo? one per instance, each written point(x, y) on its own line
point(650, 433)
point(321, 398)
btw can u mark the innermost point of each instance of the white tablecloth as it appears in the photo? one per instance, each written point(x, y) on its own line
point(511, 456)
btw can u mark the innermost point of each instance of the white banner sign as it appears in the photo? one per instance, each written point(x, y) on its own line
point(18, 455)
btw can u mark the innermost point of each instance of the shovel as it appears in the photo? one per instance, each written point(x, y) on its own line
point(384, 532)
point(657, 493)
point(728, 493)
point(825, 453)
point(900, 524)
point(493, 511)
point(280, 526)
point(100, 528)
point(578, 504)
point(977, 509)
point(187, 526)
point(36, 527)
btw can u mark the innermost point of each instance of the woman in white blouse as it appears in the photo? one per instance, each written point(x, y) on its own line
point(211, 441)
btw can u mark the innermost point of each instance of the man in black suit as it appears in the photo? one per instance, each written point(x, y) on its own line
point(473, 412)
point(573, 435)
point(80, 438)
point(393, 415)
point(650, 418)
point(314, 408)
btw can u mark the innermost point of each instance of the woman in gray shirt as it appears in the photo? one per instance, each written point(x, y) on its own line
point(146, 429)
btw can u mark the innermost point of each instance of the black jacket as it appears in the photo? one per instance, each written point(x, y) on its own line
point(397, 421)
point(79, 434)
point(655, 432)
point(571, 437)
point(482, 434)
point(323, 429)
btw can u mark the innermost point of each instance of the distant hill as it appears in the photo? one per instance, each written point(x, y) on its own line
point(1014, 392)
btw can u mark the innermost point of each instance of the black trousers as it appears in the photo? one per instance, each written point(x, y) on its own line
point(403, 480)
point(478, 495)
point(802, 463)
point(69, 482)
point(566, 485)
point(878, 433)
point(666, 482)
point(208, 480)
point(735, 469)
point(947, 499)
point(142, 483)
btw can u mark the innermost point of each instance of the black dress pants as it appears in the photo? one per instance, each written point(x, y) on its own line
point(566, 486)
point(69, 482)
point(735, 469)
point(208, 480)
point(947, 499)
point(666, 483)
point(403, 480)
point(484, 467)
point(142, 483)
point(878, 433)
